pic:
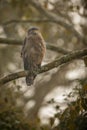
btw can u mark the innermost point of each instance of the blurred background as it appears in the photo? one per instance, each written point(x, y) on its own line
point(56, 93)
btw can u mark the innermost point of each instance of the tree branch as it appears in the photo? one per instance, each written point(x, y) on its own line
point(58, 62)
point(58, 20)
point(19, 42)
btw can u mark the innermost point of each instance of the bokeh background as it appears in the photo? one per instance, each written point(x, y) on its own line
point(63, 23)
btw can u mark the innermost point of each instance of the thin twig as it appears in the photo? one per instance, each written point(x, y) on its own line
point(26, 21)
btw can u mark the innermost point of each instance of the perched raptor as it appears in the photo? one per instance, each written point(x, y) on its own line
point(33, 51)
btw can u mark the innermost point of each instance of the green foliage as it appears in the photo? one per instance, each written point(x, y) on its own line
point(74, 117)
point(11, 119)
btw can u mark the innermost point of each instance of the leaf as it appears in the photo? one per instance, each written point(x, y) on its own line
point(52, 121)
point(85, 87)
point(85, 60)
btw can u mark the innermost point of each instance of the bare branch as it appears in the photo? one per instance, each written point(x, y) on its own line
point(26, 21)
point(19, 42)
point(10, 41)
point(56, 63)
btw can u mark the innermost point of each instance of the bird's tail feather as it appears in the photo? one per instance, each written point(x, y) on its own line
point(30, 79)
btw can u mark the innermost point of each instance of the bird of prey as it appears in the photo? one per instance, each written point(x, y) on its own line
point(33, 51)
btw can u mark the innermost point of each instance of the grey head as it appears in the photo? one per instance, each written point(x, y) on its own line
point(32, 29)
